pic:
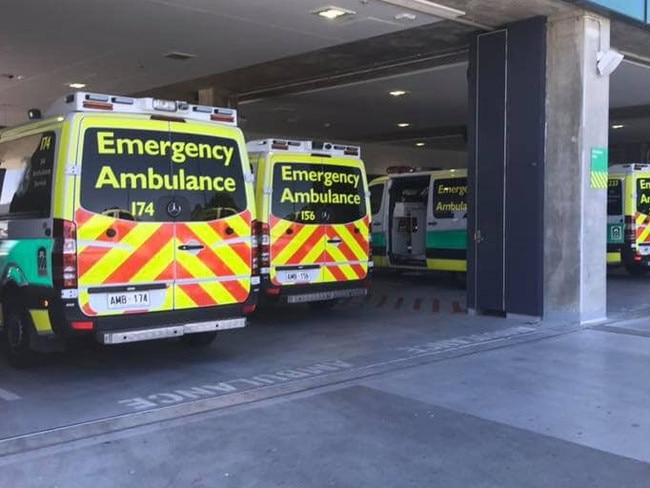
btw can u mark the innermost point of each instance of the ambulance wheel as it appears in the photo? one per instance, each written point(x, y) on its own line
point(16, 335)
point(323, 304)
point(636, 269)
point(199, 339)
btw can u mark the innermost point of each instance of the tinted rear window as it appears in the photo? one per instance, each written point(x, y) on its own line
point(450, 198)
point(318, 193)
point(26, 168)
point(643, 195)
point(376, 195)
point(136, 174)
point(614, 197)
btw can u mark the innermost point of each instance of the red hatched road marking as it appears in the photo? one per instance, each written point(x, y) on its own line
point(435, 305)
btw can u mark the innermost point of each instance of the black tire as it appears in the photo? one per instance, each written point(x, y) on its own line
point(200, 339)
point(635, 269)
point(17, 337)
point(323, 304)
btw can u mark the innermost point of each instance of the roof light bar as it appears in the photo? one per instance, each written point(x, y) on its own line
point(85, 101)
point(308, 147)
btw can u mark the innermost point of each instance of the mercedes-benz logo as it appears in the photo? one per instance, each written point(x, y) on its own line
point(174, 209)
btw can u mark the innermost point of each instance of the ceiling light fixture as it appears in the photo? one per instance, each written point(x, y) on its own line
point(397, 93)
point(77, 86)
point(331, 13)
point(426, 7)
point(618, 126)
point(403, 124)
point(419, 144)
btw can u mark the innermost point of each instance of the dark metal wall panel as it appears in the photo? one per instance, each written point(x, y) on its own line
point(506, 169)
point(524, 193)
point(488, 167)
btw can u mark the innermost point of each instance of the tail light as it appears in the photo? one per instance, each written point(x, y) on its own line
point(65, 254)
point(264, 240)
point(630, 229)
point(255, 250)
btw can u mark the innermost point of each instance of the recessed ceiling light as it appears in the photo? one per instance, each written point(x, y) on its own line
point(397, 93)
point(427, 7)
point(403, 124)
point(419, 144)
point(405, 16)
point(77, 85)
point(179, 56)
point(618, 126)
point(330, 12)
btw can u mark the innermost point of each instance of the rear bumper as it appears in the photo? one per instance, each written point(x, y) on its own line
point(315, 292)
point(165, 332)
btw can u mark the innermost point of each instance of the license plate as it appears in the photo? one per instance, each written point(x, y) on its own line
point(298, 276)
point(130, 299)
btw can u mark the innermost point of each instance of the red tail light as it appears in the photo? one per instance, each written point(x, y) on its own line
point(65, 254)
point(86, 325)
point(255, 250)
point(630, 229)
point(264, 242)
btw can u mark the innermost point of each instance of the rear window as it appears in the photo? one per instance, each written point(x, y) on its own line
point(449, 198)
point(161, 176)
point(318, 193)
point(643, 195)
point(614, 197)
point(376, 196)
point(26, 168)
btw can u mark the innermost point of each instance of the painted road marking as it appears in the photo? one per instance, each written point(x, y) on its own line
point(210, 390)
point(9, 396)
point(435, 305)
point(398, 303)
point(417, 304)
point(457, 308)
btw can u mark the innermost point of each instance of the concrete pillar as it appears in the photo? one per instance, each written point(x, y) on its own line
point(217, 98)
point(575, 212)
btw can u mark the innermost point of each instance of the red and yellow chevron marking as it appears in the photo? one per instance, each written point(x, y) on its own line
point(347, 260)
point(307, 244)
point(146, 252)
point(196, 271)
point(642, 227)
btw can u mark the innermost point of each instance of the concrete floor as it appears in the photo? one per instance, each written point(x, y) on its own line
point(402, 389)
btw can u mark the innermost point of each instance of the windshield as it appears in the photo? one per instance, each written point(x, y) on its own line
point(134, 175)
point(318, 193)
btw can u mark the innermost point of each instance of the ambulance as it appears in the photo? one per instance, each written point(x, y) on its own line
point(125, 219)
point(313, 220)
point(419, 220)
point(628, 217)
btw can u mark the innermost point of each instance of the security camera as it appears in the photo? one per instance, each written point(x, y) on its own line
point(608, 61)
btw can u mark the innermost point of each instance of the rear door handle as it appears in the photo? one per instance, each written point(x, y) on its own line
point(376, 224)
point(191, 247)
point(336, 240)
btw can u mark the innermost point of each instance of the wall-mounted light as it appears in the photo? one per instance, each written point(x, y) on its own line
point(618, 126)
point(404, 124)
point(77, 86)
point(608, 61)
point(397, 93)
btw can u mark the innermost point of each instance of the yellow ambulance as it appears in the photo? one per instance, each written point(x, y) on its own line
point(628, 217)
point(313, 220)
point(126, 219)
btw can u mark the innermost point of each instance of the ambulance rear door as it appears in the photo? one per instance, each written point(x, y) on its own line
point(446, 240)
point(346, 218)
point(615, 217)
point(211, 204)
point(297, 248)
point(125, 235)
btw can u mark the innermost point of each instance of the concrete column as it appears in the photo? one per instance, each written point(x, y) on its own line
point(217, 98)
point(575, 213)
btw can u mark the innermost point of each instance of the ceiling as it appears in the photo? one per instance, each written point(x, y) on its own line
point(279, 60)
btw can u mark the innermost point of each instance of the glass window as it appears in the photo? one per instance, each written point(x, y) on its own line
point(318, 193)
point(376, 196)
point(614, 197)
point(26, 168)
point(450, 198)
point(631, 8)
point(643, 195)
point(137, 174)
